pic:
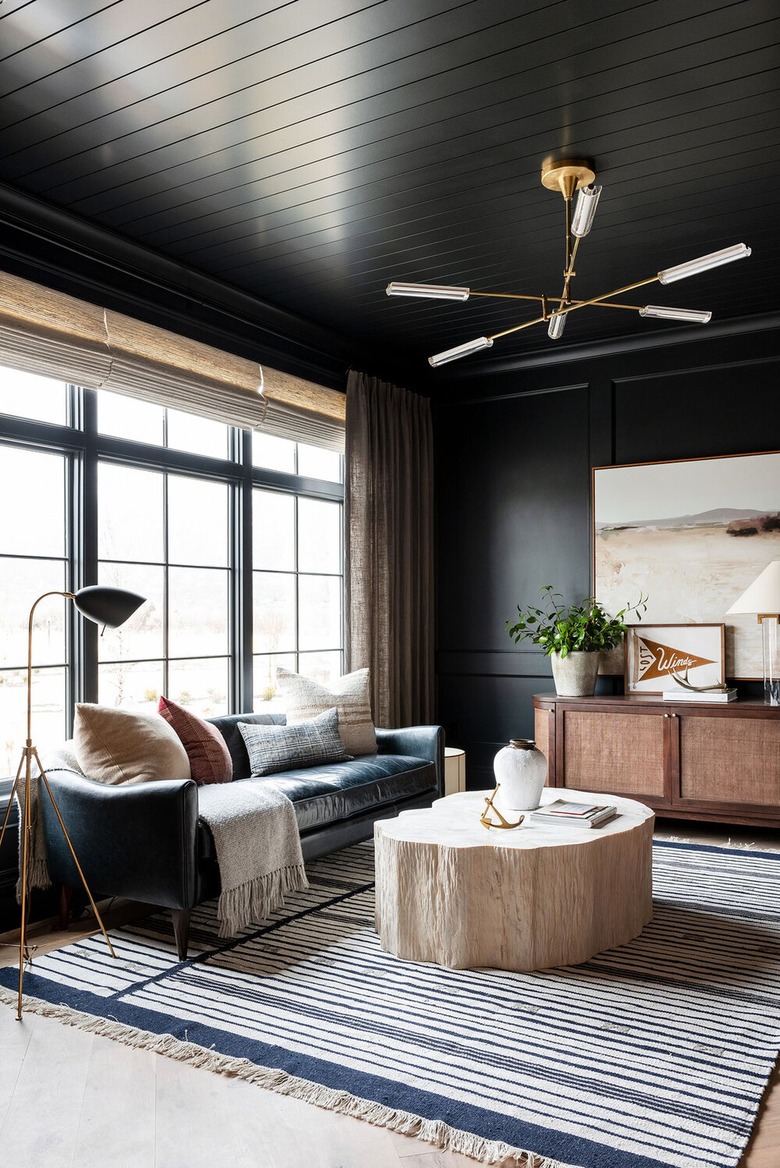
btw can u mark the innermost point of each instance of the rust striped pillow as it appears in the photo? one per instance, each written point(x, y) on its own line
point(210, 760)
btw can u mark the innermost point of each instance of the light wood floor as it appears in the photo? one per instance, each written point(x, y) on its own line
point(72, 1099)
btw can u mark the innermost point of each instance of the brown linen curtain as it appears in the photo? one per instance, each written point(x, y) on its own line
point(389, 547)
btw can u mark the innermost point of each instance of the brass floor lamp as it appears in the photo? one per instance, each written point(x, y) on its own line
point(106, 606)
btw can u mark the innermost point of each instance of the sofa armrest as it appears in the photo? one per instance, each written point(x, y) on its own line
point(136, 841)
point(420, 741)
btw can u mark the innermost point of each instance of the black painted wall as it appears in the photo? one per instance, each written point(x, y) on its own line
point(514, 457)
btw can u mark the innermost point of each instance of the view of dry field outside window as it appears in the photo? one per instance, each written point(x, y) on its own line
point(32, 542)
point(36, 566)
point(298, 580)
point(165, 537)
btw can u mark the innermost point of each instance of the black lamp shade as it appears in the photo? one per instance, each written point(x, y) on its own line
point(110, 607)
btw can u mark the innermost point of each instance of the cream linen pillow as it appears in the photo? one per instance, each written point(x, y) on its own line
point(305, 699)
point(121, 746)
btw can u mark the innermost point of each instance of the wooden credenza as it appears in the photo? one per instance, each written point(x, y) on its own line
point(689, 761)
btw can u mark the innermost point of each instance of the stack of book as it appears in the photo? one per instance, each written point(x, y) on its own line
point(707, 695)
point(574, 814)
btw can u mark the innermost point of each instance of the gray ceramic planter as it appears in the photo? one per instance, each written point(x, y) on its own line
point(575, 675)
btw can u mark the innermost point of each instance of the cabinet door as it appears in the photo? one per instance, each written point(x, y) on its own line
point(624, 754)
point(730, 760)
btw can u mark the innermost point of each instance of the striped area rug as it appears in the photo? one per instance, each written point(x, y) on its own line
point(652, 1054)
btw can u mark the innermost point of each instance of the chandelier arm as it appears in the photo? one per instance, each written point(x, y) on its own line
point(562, 300)
point(519, 327)
point(542, 299)
point(557, 320)
point(610, 304)
point(506, 295)
point(595, 300)
point(568, 251)
point(569, 270)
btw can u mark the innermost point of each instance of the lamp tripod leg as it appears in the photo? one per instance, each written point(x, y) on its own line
point(25, 827)
point(72, 850)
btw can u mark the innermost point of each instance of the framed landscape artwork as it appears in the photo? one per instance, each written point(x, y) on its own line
point(691, 536)
point(658, 654)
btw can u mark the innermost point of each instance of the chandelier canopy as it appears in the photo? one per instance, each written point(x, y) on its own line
point(567, 177)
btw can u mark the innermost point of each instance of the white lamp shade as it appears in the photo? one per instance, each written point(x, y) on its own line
point(763, 595)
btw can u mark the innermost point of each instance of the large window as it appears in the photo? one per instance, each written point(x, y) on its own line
point(235, 542)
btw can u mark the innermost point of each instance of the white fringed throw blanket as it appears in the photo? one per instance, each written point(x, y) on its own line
point(255, 835)
point(258, 850)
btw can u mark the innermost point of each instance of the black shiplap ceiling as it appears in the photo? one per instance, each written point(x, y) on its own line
point(308, 152)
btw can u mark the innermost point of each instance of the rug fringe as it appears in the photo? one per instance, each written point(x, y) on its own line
point(405, 1123)
point(735, 845)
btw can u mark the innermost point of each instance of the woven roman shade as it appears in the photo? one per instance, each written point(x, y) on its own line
point(54, 335)
point(59, 336)
point(304, 411)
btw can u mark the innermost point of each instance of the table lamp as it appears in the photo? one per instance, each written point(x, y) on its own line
point(106, 606)
point(763, 599)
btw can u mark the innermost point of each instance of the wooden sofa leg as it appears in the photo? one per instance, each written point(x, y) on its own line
point(66, 897)
point(181, 930)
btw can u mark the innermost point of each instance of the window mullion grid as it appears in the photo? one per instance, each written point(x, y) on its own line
point(242, 577)
point(342, 606)
point(166, 587)
point(74, 650)
point(84, 550)
point(297, 560)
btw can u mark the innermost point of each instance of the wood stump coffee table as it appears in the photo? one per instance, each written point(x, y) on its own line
point(451, 891)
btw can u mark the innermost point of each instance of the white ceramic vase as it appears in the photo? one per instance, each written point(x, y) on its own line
point(575, 674)
point(521, 770)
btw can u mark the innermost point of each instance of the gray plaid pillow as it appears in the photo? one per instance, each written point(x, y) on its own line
point(279, 748)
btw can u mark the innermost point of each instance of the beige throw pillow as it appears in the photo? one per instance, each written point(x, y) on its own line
point(121, 746)
point(305, 699)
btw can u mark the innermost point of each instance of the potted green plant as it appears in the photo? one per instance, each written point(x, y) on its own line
point(573, 636)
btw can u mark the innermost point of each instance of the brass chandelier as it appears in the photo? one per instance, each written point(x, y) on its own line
point(567, 177)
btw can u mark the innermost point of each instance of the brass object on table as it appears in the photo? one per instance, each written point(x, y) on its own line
point(490, 806)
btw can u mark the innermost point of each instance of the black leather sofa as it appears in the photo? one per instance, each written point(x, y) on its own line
point(146, 841)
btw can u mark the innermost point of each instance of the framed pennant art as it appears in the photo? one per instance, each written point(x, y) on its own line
point(657, 655)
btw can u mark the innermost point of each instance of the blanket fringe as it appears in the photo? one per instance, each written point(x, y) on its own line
point(257, 899)
point(435, 1132)
point(37, 875)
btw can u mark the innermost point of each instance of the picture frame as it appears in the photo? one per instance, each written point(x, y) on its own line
point(691, 535)
point(654, 654)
